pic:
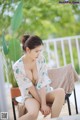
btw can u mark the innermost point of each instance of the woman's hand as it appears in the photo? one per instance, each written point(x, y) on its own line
point(45, 109)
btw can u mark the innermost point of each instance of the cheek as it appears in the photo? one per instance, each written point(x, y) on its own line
point(33, 54)
point(36, 54)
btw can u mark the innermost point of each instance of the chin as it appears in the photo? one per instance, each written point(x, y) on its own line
point(34, 59)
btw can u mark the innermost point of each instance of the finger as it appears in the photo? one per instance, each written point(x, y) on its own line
point(42, 111)
point(46, 112)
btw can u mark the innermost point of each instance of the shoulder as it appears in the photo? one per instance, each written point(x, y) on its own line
point(17, 64)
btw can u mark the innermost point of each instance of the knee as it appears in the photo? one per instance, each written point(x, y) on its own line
point(61, 93)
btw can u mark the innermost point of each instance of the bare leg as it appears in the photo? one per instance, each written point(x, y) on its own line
point(33, 107)
point(57, 98)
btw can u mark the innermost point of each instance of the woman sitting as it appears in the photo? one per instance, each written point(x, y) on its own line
point(33, 81)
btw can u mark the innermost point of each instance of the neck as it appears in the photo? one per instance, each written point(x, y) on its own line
point(28, 58)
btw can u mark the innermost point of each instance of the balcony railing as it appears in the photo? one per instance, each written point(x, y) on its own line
point(62, 51)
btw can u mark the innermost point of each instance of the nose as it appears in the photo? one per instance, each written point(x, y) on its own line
point(37, 55)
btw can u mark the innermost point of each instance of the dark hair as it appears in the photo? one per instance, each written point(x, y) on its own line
point(31, 42)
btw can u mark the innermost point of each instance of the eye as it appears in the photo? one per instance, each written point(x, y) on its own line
point(36, 51)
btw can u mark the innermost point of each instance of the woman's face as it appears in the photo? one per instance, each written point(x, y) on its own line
point(34, 53)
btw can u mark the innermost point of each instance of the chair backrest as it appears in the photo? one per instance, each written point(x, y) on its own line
point(63, 77)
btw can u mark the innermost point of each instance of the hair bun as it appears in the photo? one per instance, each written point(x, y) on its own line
point(24, 39)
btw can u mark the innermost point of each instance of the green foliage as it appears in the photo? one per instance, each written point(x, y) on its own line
point(11, 75)
point(5, 48)
point(11, 54)
point(14, 49)
point(14, 53)
point(42, 17)
point(17, 18)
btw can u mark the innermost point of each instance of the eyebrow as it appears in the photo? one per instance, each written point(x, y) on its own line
point(39, 50)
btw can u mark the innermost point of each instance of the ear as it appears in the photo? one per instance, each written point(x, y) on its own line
point(27, 50)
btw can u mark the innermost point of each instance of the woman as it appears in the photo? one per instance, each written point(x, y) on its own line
point(33, 81)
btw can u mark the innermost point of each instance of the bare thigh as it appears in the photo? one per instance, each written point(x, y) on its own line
point(57, 93)
point(32, 105)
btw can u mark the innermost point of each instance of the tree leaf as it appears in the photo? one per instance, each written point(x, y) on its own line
point(17, 17)
point(14, 49)
point(5, 48)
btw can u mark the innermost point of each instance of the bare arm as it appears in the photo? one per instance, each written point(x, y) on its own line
point(34, 93)
point(45, 109)
point(42, 94)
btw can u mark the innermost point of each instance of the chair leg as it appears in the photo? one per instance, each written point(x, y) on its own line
point(69, 108)
point(75, 102)
point(13, 110)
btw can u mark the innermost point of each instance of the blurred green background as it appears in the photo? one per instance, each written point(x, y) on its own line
point(42, 17)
